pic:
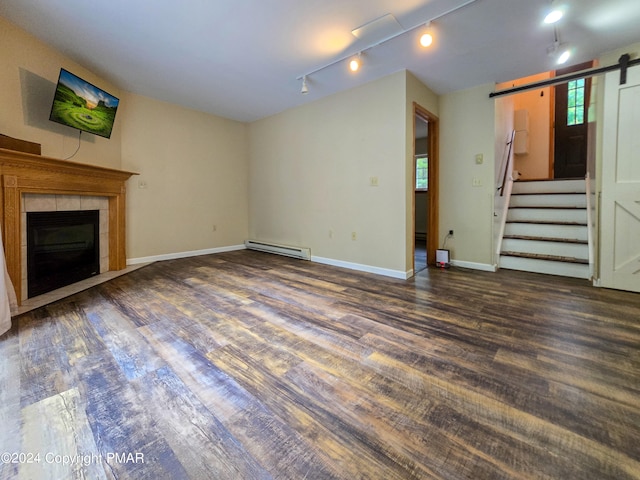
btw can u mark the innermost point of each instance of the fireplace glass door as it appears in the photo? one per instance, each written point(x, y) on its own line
point(62, 248)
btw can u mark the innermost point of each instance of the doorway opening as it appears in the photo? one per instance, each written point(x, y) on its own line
point(425, 185)
point(551, 125)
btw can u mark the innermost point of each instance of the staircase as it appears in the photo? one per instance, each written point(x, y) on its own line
point(546, 229)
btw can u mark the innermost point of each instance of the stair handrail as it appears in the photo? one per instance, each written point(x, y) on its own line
point(506, 162)
point(590, 241)
point(507, 181)
point(505, 212)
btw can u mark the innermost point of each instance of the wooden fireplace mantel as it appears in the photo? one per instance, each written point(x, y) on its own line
point(27, 173)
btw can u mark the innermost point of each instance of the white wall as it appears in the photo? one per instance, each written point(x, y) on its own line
point(310, 170)
point(467, 128)
point(195, 168)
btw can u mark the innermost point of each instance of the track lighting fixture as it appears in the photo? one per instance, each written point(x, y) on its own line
point(426, 39)
point(354, 64)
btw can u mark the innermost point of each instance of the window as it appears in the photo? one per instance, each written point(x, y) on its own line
point(575, 102)
point(422, 172)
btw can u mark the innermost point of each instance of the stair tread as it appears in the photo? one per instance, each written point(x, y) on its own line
point(549, 207)
point(539, 256)
point(548, 193)
point(548, 222)
point(546, 239)
point(542, 180)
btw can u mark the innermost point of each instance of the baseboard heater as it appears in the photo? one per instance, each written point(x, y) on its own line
point(289, 251)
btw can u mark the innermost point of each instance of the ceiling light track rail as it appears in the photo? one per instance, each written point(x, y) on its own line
point(623, 64)
point(385, 40)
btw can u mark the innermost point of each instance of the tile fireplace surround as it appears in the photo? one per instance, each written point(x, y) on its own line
point(32, 202)
point(28, 177)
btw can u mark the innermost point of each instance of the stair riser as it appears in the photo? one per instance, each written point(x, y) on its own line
point(547, 215)
point(549, 200)
point(571, 232)
point(557, 249)
point(545, 266)
point(564, 186)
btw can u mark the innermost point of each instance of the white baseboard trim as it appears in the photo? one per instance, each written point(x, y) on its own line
point(193, 253)
point(362, 268)
point(474, 266)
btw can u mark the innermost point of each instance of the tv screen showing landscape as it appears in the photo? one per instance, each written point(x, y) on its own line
point(79, 104)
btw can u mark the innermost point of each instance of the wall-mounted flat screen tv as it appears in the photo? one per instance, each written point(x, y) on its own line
point(79, 104)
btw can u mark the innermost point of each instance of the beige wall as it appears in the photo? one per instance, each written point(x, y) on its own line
point(534, 165)
point(195, 168)
point(194, 164)
point(28, 80)
point(467, 128)
point(310, 170)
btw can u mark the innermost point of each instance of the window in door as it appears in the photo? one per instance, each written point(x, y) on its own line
point(422, 172)
point(575, 102)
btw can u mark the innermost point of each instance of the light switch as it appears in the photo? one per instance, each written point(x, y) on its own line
point(479, 159)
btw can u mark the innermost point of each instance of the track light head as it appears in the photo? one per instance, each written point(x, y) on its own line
point(354, 63)
point(426, 39)
point(559, 52)
point(555, 13)
point(304, 89)
point(563, 55)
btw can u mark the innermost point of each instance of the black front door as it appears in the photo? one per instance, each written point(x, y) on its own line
point(571, 125)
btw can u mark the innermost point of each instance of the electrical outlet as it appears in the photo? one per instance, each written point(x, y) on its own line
point(451, 232)
point(476, 182)
point(354, 236)
point(373, 181)
point(142, 184)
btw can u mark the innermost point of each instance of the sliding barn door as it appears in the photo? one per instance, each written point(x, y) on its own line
point(620, 210)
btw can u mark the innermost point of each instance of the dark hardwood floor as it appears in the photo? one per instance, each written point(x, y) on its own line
point(246, 365)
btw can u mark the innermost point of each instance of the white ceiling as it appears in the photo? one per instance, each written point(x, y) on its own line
point(241, 59)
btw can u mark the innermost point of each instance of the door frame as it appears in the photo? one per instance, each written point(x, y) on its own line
point(553, 110)
point(432, 192)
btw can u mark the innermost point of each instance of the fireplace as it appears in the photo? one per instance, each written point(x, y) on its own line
point(62, 248)
point(24, 174)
